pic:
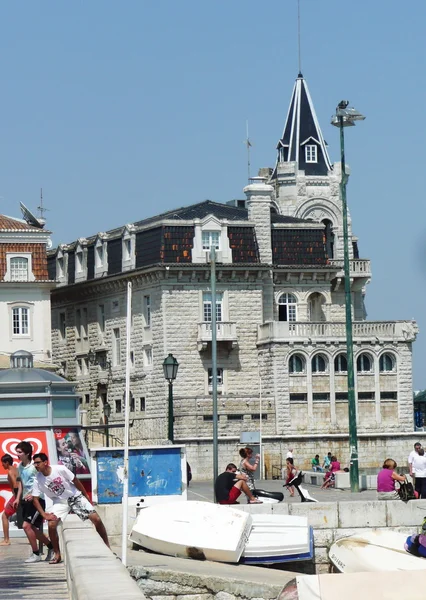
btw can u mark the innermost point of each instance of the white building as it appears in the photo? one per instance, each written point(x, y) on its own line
point(280, 312)
point(25, 320)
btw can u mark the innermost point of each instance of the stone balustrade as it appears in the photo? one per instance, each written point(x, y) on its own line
point(358, 267)
point(226, 331)
point(285, 331)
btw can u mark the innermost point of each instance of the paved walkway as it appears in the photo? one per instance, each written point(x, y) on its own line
point(37, 581)
point(203, 490)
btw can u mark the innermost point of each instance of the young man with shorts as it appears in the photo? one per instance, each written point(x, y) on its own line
point(32, 520)
point(9, 509)
point(228, 487)
point(67, 493)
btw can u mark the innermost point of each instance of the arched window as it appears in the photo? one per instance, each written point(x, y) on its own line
point(296, 364)
point(287, 307)
point(316, 303)
point(319, 363)
point(340, 364)
point(364, 363)
point(387, 363)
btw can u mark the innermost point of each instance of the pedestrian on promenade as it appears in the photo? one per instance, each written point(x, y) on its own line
point(229, 485)
point(327, 462)
point(291, 474)
point(32, 520)
point(419, 470)
point(330, 476)
point(67, 493)
point(386, 481)
point(315, 463)
point(9, 509)
point(411, 457)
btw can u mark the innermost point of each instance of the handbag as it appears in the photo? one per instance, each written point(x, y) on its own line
point(406, 491)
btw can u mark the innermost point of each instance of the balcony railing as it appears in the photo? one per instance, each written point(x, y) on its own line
point(358, 267)
point(225, 332)
point(284, 331)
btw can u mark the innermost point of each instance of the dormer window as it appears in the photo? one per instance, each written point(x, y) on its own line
point(210, 239)
point(61, 270)
point(19, 269)
point(127, 247)
point(311, 153)
point(79, 261)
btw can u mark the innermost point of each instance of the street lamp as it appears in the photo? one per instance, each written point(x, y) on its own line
point(170, 368)
point(107, 413)
point(345, 117)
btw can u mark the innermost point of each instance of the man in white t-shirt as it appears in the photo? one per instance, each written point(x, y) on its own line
point(67, 493)
point(419, 470)
point(411, 457)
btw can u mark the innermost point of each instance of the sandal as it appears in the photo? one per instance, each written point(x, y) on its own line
point(55, 561)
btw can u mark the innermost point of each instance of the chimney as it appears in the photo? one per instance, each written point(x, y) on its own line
point(259, 201)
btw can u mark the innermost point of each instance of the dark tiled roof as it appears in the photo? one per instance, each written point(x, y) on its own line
point(275, 218)
point(199, 211)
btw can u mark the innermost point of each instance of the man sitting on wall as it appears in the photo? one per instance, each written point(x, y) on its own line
point(229, 485)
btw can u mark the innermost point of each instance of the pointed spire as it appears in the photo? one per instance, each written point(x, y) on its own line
point(302, 140)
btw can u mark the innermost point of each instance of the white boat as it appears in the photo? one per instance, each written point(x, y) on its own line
point(375, 550)
point(202, 530)
point(278, 539)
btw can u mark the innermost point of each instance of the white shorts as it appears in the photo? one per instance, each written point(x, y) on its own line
point(79, 505)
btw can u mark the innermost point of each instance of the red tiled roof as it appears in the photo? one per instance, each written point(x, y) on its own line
point(8, 223)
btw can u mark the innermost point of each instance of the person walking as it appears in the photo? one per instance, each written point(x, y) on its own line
point(9, 509)
point(419, 470)
point(386, 479)
point(291, 474)
point(32, 520)
point(67, 493)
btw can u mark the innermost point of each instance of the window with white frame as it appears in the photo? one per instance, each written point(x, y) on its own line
point(210, 239)
point(147, 357)
point(311, 153)
point(207, 307)
point(387, 363)
point(19, 268)
point(20, 320)
point(287, 307)
point(147, 311)
point(116, 347)
point(219, 379)
point(61, 267)
point(142, 404)
point(296, 364)
point(84, 323)
point(127, 249)
point(78, 324)
point(319, 363)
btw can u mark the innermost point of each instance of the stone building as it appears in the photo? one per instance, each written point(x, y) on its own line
point(24, 289)
point(280, 312)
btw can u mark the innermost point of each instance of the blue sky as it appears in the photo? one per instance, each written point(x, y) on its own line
point(123, 110)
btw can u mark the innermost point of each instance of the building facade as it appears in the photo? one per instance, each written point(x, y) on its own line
point(25, 315)
point(280, 312)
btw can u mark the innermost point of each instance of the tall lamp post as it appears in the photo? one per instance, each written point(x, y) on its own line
point(107, 414)
point(345, 117)
point(170, 368)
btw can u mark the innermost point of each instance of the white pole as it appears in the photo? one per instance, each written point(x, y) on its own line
point(125, 501)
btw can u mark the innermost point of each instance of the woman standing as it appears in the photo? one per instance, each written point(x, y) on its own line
point(386, 481)
point(246, 467)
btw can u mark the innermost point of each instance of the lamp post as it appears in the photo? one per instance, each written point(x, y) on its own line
point(107, 414)
point(170, 368)
point(345, 117)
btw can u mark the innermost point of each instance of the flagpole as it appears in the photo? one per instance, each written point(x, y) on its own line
point(125, 501)
point(248, 144)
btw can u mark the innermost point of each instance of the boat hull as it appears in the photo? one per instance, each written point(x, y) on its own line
point(376, 550)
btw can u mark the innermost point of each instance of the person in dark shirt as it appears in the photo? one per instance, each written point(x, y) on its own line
point(229, 485)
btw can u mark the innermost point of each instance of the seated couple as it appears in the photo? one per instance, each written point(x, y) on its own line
point(229, 485)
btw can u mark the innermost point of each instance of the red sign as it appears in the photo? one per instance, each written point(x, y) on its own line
point(9, 440)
